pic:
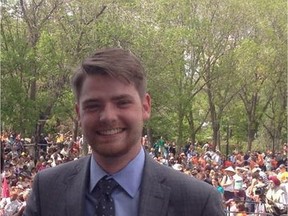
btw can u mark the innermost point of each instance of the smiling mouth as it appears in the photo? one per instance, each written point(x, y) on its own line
point(110, 132)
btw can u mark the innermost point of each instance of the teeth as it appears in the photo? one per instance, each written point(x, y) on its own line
point(110, 132)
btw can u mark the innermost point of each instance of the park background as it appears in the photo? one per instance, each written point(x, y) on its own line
point(217, 69)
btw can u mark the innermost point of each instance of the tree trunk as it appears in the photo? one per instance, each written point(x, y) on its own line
point(251, 135)
point(180, 128)
point(216, 133)
point(192, 127)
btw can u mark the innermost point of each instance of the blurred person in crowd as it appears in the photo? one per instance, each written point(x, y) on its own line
point(207, 175)
point(231, 206)
point(276, 198)
point(30, 162)
point(239, 182)
point(261, 173)
point(216, 184)
point(182, 159)
point(241, 210)
point(283, 174)
point(178, 167)
point(172, 149)
point(13, 204)
point(43, 143)
point(284, 185)
point(22, 206)
point(246, 157)
point(259, 193)
point(260, 160)
point(268, 162)
point(281, 158)
point(239, 159)
point(226, 162)
point(65, 150)
point(112, 106)
point(253, 161)
point(250, 202)
point(227, 182)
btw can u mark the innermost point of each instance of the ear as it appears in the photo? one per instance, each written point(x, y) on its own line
point(146, 107)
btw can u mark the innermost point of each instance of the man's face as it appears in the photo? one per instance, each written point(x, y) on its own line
point(111, 114)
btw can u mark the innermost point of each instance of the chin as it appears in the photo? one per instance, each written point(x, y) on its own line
point(111, 152)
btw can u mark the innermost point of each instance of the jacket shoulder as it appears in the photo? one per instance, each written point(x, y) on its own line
point(64, 169)
point(177, 180)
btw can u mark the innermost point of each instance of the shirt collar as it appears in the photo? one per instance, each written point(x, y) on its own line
point(133, 171)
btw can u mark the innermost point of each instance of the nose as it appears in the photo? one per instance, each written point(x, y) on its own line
point(108, 113)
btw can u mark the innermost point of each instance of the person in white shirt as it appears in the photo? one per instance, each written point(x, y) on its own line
point(227, 183)
point(276, 198)
point(12, 206)
point(65, 151)
point(239, 182)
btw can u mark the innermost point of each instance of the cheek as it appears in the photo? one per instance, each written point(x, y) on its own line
point(86, 121)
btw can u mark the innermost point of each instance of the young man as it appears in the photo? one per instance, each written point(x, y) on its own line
point(112, 105)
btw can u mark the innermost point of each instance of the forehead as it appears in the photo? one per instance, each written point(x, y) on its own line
point(105, 86)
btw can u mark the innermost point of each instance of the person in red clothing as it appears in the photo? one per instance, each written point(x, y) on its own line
point(195, 160)
point(227, 163)
point(202, 161)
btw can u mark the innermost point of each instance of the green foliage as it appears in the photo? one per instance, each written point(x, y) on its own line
point(208, 65)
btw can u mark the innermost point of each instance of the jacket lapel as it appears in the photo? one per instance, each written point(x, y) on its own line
point(154, 196)
point(76, 185)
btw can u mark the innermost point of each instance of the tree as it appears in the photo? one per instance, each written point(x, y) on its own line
point(209, 66)
point(257, 59)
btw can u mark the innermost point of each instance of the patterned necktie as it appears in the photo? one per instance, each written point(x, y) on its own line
point(105, 203)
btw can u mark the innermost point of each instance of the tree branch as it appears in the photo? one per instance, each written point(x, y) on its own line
point(25, 16)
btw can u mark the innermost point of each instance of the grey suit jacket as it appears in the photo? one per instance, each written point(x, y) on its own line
point(59, 191)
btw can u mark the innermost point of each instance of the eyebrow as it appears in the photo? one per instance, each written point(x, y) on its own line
point(123, 96)
point(115, 98)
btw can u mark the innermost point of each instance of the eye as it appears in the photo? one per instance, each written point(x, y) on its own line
point(123, 103)
point(92, 107)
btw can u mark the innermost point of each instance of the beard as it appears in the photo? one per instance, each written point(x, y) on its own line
point(116, 146)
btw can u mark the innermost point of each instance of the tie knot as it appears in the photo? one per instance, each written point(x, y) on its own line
point(107, 186)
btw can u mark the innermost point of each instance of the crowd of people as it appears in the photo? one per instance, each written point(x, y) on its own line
point(20, 162)
point(251, 183)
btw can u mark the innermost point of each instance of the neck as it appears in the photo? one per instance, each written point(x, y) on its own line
point(113, 165)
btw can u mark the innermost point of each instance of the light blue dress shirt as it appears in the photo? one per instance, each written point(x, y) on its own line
point(126, 197)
